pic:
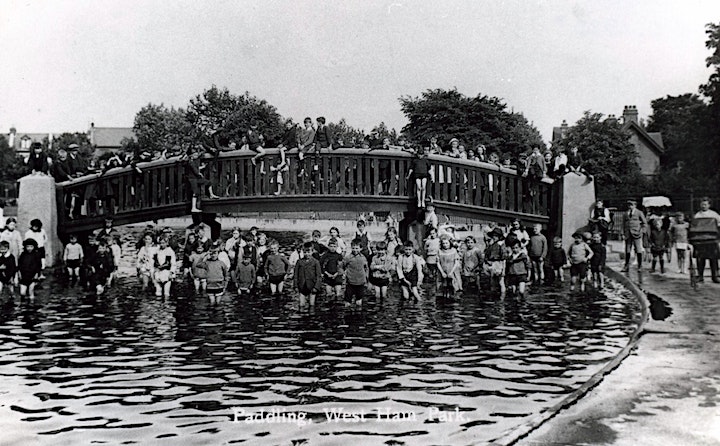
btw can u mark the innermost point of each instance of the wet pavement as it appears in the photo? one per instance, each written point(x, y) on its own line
point(137, 369)
point(668, 391)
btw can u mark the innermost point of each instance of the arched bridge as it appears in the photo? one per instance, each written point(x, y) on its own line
point(342, 179)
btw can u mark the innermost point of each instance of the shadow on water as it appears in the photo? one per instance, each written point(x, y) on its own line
point(80, 369)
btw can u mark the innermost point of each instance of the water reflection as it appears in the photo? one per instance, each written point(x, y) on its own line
point(80, 369)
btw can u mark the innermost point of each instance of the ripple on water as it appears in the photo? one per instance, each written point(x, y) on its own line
point(81, 371)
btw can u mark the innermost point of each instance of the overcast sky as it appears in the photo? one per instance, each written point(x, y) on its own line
point(69, 63)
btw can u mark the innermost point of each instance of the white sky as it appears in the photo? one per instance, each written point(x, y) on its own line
point(68, 63)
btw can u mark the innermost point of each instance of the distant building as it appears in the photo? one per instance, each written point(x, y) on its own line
point(649, 146)
point(108, 139)
point(21, 142)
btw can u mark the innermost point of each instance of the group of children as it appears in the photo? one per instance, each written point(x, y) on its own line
point(22, 259)
point(95, 266)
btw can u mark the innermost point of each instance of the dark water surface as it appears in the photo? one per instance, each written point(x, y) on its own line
point(131, 369)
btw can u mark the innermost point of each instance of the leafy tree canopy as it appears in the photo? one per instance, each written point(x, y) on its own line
point(448, 114)
point(11, 164)
point(607, 153)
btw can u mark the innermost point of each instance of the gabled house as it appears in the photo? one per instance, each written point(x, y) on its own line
point(649, 146)
point(21, 142)
point(108, 139)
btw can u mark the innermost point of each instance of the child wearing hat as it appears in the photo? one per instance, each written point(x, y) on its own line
point(37, 233)
point(29, 267)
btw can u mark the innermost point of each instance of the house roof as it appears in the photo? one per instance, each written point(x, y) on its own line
point(652, 140)
point(19, 136)
point(110, 136)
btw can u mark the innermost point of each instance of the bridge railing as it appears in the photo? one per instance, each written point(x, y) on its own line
point(162, 185)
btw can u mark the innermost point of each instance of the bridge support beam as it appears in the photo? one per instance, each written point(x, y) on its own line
point(210, 219)
point(37, 199)
point(577, 197)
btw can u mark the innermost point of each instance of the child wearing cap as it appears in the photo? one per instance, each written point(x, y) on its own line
point(8, 268)
point(29, 267)
point(37, 233)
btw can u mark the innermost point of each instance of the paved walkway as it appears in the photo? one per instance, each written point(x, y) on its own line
point(667, 392)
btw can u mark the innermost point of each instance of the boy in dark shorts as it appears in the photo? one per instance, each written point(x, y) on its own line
point(578, 254)
point(409, 270)
point(73, 257)
point(245, 273)
point(331, 267)
point(381, 265)
point(597, 262)
point(29, 268)
point(518, 269)
point(217, 276)
point(276, 268)
point(307, 277)
point(558, 259)
point(356, 271)
point(8, 267)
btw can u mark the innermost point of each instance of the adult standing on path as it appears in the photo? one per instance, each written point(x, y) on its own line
point(633, 230)
point(707, 251)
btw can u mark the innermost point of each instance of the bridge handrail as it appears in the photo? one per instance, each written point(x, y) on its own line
point(239, 154)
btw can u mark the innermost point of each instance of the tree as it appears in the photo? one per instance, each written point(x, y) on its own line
point(159, 128)
point(346, 135)
point(448, 114)
point(608, 154)
point(64, 140)
point(12, 166)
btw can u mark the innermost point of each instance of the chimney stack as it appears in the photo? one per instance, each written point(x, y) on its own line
point(11, 140)
point(630, 113)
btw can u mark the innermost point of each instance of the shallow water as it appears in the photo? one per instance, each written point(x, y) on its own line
point(139, 370)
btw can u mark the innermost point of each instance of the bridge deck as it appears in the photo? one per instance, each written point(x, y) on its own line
point(343, 179)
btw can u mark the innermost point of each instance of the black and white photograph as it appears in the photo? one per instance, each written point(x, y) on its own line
point(359, 223)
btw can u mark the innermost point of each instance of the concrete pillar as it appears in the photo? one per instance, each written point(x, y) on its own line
point(37, 200)
point(577, 198)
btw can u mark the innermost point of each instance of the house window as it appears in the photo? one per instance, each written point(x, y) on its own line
point(25, 143)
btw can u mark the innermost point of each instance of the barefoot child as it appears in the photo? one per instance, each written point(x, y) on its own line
point(597, 262)
point(37, 233)
point(679, 237)
point(449, 268)
point(245, 273)
point(331, 266)
point(276, 268)
point(164, 262)
point(409, 270)
point(432, 249)
point(495, 260)
point(29, 268)
point(217, 276)
point(381, 265)
point(307, 277)
point(518, 269)
point(73, 257)
point(537, 251)
point(145, 261)
point(558, 259)
point(198, 269)
point(8, 268)
point(579, 253)
point(472, 261)
point(357, 270)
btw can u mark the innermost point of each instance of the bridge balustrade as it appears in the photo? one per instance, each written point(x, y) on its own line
point(160, 189)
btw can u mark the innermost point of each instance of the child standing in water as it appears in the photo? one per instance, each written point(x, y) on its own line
point(217, 277)
point(579, 253)
point(37, 233)
point(357, 271)
point(449, 269)
point(29, 268)
point(409, 271)
point(8, 268)
point(597, 262)
point(276, 268)
point(517, 269)
point(381, 265)
point(558, 259)
point(432, 249)
point(245, 273)
point(307, 277)
point(198, 269)
point(537, 251)
point(495, 256)
point(331, 266)
point(164, 263)
point(73, 257)
point(472, 261)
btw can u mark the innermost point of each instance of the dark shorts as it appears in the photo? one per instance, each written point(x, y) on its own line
point(26, 280)
point(41, 251)
point(516, 279)
point(420, 176)
point(596, 268)
point(578, 269)
point(305, 290)
point(5, 278)
point(214, 290)
point(196, 185)
point(536, 258)
point(277, 279)
point(73, 263)
point(354, 292)
point(332, 281)
point(378, 281)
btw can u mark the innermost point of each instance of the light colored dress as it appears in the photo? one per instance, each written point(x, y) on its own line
point(449, 261)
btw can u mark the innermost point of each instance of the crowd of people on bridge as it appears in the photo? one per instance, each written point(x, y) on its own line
point(310, 138)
